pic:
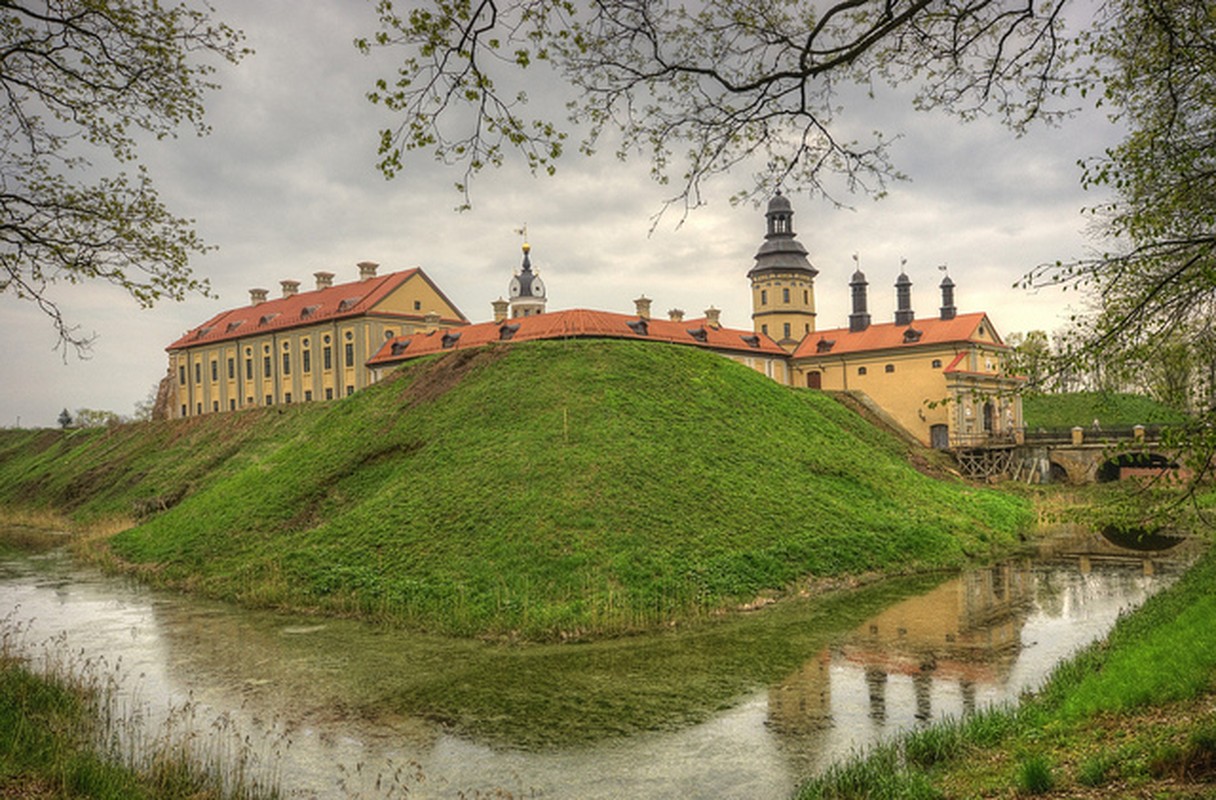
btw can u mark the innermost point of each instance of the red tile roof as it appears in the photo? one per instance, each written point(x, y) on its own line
point(305, 308)
point(576, 323)
point(889, 336)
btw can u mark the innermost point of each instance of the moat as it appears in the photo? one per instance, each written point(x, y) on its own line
point(744, 706)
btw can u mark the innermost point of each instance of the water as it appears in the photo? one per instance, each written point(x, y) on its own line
point(748, 706)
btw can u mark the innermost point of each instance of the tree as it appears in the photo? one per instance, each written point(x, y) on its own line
point(80, 78)
point(1031, 358)
point(65, 419)
point(96, 418)
point(705, 88)
point(1155, 289)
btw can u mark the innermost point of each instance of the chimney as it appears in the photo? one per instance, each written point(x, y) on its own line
point(948, 309)
point(859, 320)
point(257, 296)
point(431, 321)
point(903, 300)
point(676, 315)
point(643, 306)
point(500, 309)
point(290, 288)
point(367, 270)
point(713, 317)
point(324, 279)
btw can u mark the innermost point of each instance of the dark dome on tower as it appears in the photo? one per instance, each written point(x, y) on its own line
point(781, 250)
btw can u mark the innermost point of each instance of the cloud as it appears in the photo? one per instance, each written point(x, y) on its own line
point(285, 185)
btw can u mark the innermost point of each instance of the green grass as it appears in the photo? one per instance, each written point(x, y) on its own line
point(1135, 708)
point(1111, 409)
point(540, 490)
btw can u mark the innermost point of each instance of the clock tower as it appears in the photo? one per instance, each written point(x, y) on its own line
point(527, 291)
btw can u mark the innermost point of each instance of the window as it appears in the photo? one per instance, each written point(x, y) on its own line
point(265, 366)
point(215, 370)
point(764, 329)
point(198, 372)
point(184, 409)
point(248, 369)
point(249, 401)
point(785, 330)
point(181, 375)
point(937, 363)
point(232, 404)
point(806, 297)
point(286, 363)
point(215, 405)
point(199, 408)
point(764, 297)
point(349, 390)
point(269, 399)
point(350, 354)
point(287, 397)
point(307, 395)
point(785, 295)
point(861, 370)
point(417, 305)
point(889, 368)
point(329, 393)
point(231, 368)
point(327, 358)
point(306, 360)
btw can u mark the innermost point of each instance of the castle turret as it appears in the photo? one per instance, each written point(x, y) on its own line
point(859, 320)
point(948, 310)
point(903, 300)
point(783, 280)
point(527, 290)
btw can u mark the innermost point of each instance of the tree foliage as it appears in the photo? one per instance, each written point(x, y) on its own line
point(703, 89)
point(79, 78)
point(1154, 290)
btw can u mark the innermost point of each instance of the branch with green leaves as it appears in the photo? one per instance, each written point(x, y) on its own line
point(706, 89)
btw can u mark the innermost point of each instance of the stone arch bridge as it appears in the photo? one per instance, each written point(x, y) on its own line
point(1076, 456)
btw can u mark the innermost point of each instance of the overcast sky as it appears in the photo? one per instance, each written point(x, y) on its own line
point(285, 186)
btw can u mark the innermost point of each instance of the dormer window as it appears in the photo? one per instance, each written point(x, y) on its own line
point(308, 311)
point(506, 332)
point(450, 338)
point(824, 345)
point(399, 347)
point(699, 334)
point(912, 335)
point(751, 341)
point(235, 324)
point(349, 303)
point(267, 318)
point(640, 327)
point(201, 332)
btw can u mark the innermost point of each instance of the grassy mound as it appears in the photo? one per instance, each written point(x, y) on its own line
point(540, 488)
point(1111, 409)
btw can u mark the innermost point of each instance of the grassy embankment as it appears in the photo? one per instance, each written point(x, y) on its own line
point(1111, 409)
point(541, 489)
point(1131, 716)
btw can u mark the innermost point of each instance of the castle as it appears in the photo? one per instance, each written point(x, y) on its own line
point(943, 379)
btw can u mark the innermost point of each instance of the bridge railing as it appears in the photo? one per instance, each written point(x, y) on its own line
point(982, 439)
point(1045, 436)
point(1091, 435)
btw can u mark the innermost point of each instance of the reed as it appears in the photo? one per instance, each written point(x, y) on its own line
point(67, 729)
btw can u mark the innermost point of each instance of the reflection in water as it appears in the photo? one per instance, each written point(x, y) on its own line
point(745, 708)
